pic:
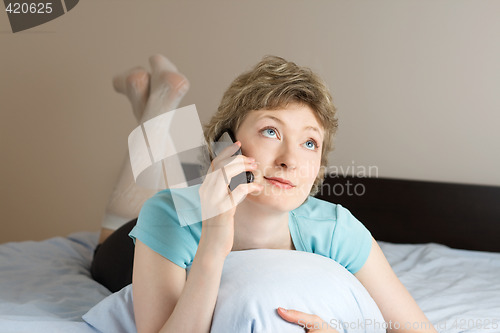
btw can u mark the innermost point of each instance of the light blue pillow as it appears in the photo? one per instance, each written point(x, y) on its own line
point(255, 283)
point(115, 313)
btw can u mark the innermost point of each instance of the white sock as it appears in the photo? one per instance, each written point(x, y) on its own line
point(164, 92)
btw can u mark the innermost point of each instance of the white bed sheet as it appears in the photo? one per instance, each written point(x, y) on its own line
point(46, 286)
point(458, 290)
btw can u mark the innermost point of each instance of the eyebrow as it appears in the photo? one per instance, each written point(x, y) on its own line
point(281, 122)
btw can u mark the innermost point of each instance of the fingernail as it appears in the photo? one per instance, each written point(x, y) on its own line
point(238, 143)
point(282, 309)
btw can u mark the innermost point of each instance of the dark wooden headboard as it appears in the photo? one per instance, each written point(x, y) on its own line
point(408, 211)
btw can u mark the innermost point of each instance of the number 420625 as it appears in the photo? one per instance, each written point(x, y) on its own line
point(32, 8)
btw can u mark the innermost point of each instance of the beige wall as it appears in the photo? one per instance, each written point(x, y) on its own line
point(416, 84)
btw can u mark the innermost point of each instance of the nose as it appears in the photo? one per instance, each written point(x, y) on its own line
point(286, 157)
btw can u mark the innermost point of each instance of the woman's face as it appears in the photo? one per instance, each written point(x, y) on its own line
point(286, 144)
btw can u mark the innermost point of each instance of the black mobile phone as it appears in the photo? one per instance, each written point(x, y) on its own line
point(225, 140)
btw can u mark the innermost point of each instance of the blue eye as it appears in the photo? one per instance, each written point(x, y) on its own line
point(311, 144)
point(269, 132)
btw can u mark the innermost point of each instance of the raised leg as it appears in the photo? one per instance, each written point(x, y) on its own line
point(150, 94)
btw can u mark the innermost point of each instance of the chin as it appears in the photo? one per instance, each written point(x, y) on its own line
point(279, 201)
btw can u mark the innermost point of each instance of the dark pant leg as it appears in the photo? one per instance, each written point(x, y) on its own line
point(114, 258)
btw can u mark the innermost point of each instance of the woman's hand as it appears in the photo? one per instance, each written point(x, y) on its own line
point(218, 203)
point(311, 323)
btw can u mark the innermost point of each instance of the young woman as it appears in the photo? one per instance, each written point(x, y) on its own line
point(284, 122)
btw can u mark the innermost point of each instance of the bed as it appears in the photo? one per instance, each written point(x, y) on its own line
point(440, 238)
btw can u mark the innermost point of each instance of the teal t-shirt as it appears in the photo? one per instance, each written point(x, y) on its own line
point(170, 224)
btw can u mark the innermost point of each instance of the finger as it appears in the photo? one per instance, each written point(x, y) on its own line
point(242, 190)
point(299, 318)
point(225, 153)
point(238, 165)
point(221, 177)
point(217, 183)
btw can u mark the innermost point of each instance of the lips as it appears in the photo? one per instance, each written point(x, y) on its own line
point(278, 181)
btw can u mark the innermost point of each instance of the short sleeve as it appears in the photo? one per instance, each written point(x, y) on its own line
point(158, 227)
point(351, 241)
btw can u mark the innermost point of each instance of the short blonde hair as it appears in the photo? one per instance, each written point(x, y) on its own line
point(272, 84)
